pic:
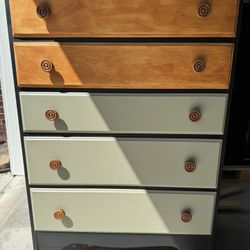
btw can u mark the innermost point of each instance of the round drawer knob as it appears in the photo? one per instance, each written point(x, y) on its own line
point(55, 164)
point(195, 116)
point(204, 10)
point(43, 10)
point(190, 166)
point(186, 216)
point(59, 214)
point(51, 115)
point(199, 65)
point(47, 65)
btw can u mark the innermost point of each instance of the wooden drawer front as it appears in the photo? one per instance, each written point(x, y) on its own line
point(127, 66)
point(124, 18)
point(122, 211)
point(123, 113)
point(121, 161)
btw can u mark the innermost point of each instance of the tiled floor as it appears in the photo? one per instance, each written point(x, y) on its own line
point(233, 228)
point(232, 231)
point(15, 233)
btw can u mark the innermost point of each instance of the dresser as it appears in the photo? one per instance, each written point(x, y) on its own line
point(123, 108)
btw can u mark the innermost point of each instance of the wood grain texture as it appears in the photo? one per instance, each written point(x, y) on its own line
point(124, 18)
point(131, 66)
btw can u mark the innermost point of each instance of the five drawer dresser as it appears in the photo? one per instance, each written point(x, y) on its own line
point(123, 108)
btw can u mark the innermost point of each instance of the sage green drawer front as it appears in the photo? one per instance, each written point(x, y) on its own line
point(123, 113)
point(122, 161)
point(122, 211)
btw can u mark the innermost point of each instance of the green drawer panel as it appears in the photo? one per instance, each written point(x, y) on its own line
point(123, 113)
point(122, 211)
point(123, 161)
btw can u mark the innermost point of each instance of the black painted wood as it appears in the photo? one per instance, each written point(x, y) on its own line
point(56, 240)
point(238, 143)
point(226, 129)
point(86, 247)
point(48, 240)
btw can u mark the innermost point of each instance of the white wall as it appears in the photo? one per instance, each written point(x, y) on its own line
point(9, 99)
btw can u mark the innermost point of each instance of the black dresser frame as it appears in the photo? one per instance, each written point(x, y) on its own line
point(59, 240)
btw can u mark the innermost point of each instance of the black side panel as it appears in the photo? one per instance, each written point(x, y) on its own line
point(238, 142)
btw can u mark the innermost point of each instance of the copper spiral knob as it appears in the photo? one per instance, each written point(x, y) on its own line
point(195, 116)
point(190, 166)
point(47, 65)
point(59, 214)
point(55, 164)
point(199, 65)
point(186, 216)
point(204, 10)
point(43, 10)
point(51, 115)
